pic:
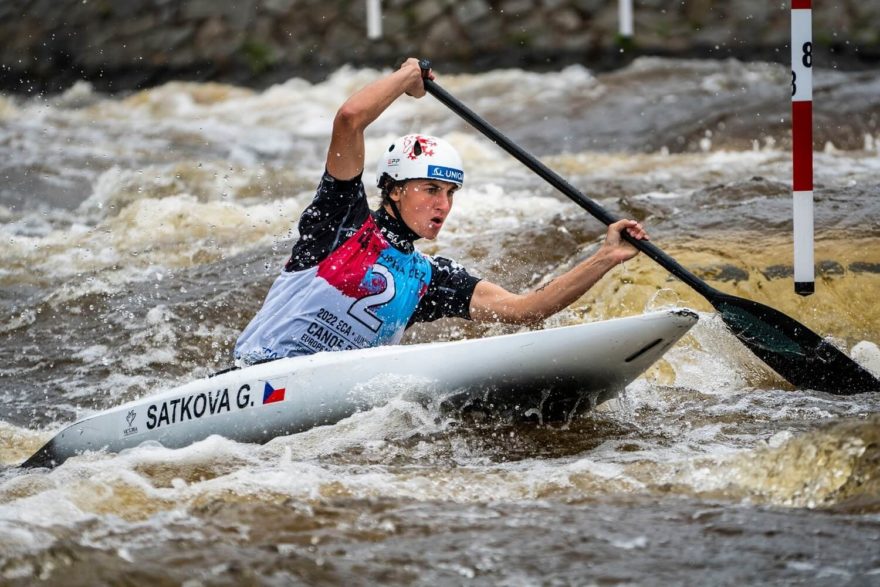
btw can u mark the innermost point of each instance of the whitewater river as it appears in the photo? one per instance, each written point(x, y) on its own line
point(140, 232)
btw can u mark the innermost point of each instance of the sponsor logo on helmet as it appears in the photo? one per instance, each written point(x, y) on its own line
point(393, 161)
point(446, 174)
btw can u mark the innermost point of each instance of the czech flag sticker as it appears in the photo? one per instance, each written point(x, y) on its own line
point(272, 395)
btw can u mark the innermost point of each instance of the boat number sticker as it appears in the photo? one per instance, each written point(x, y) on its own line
point(199, 405)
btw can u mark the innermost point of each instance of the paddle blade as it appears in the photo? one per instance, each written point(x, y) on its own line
point(791, 349)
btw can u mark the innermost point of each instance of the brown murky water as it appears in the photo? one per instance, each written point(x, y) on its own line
point(140, 233)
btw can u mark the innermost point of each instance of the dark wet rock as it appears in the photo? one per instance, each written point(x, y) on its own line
point(824, 268)
point(49, 44)
point(778, 272)
point(829, 268)
point(723, 272)
point(863, 267)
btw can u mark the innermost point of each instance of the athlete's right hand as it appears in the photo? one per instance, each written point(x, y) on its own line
point(415, 87)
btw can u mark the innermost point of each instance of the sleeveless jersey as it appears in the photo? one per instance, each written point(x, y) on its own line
point(354, 280)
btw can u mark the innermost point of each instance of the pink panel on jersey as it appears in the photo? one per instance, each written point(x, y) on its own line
point(346, 267)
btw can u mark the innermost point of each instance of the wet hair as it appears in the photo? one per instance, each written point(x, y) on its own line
point(387, 186)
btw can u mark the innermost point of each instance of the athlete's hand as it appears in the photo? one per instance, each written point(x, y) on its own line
point(415, 87)
point(615, 247)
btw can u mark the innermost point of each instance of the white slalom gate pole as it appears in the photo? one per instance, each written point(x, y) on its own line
point(374, 19)
point(625, 13)
point(802, 144)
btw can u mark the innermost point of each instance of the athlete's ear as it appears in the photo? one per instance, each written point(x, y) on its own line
point(397, 191)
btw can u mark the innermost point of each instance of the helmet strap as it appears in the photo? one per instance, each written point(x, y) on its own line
point(412, 234)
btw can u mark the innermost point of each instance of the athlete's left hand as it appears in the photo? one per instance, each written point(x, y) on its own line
point(618, 249)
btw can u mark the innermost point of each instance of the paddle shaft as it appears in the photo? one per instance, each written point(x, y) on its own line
point(566, 188)
point(794, 351)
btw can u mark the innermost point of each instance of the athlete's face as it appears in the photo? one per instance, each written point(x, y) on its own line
point(425, 204)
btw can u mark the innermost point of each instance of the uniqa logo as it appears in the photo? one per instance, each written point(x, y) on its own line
point(446, 173)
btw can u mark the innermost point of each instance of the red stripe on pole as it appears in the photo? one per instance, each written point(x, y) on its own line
point(802, 145)
point(801, 4)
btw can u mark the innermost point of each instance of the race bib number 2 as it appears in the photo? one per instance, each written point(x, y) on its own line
point(361, 310)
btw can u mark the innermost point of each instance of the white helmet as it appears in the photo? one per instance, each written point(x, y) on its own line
point(420, 157)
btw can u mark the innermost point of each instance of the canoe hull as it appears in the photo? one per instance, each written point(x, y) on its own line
point(548, 375)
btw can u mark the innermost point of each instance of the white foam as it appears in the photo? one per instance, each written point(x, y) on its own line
point(8, 108)
point(175, 211)
point(867, 354)
point(508, 210)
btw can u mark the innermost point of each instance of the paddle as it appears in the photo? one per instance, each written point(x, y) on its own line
point(791, 349)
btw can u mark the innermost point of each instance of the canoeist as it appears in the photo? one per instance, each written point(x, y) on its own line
point(355, 280)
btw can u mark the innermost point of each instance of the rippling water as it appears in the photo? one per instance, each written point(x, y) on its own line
point(140, 233)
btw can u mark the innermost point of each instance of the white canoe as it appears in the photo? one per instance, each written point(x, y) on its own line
point(548, 374)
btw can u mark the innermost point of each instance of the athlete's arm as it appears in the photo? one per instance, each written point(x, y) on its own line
point(493, 303)
point(345, 157)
